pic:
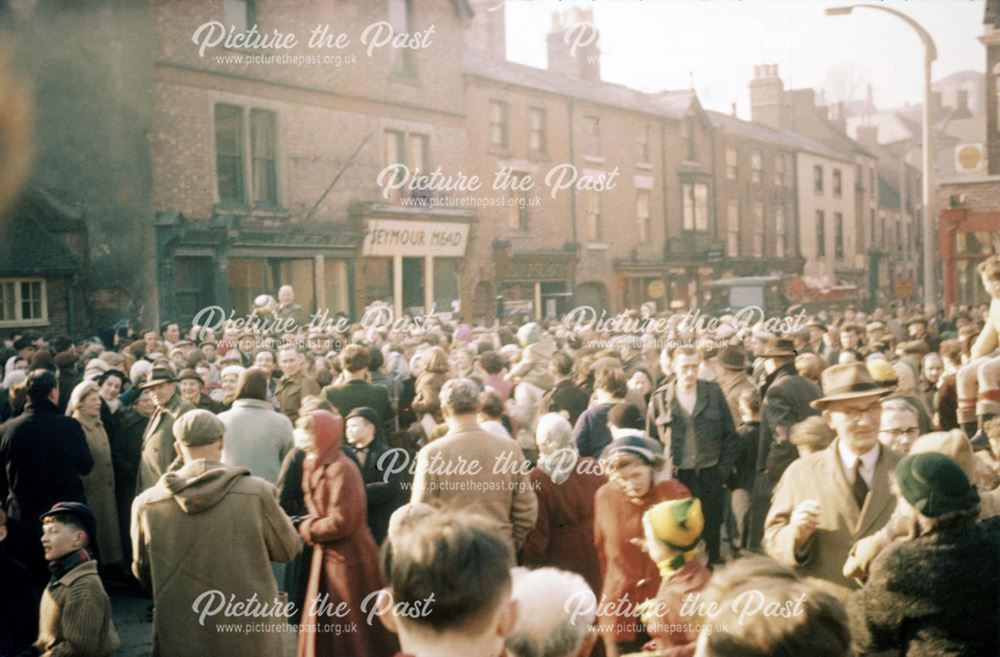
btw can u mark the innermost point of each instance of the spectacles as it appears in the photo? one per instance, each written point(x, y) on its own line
point(898, 432)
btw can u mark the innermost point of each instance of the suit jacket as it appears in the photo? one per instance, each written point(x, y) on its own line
point(821, 477)
point(499, 490)
point(383, 486)
point(714, 429)
point(354, 394)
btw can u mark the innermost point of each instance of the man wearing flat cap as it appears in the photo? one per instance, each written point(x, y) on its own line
point(828, 500)
point(158, 441)
point(207, 527)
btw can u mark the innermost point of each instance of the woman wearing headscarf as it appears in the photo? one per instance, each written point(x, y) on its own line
point(99, 485)
point(344, 568)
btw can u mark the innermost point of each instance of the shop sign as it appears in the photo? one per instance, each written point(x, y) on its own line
point(390, 237)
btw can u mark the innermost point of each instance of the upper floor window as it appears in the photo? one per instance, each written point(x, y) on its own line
point(642, 214)
point(498, 123)
point(779, 232)
point(592, 135)
point(758, 230)
point(592, 216)
point(820, 233)
point(733, 229)
point(410, 149)
point(401, 20)
point(240, 14)
point(818, 179)
point(838, 235)
point(536, 125)
point(779, 170)
point(239, 131)
point(838, 183)
point(642, 144)
point(695, 197)
point(517, 208)
point(756, 167)
point(732, 164)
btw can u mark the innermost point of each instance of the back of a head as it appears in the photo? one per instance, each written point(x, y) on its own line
point(354, 358)
point(626, 416)
point(817, 627)
point(460, 560)
point(40, 384)
point(252, 384)
point(555, 610)
point(460, 396)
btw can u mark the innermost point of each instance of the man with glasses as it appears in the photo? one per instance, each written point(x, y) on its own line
point(827, 501)
point(899, 427)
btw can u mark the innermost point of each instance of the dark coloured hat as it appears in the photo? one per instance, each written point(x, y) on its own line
point(847, 381)
point(732, 358)
point(156, 376)
point(66, 360)
point(81, 512)
point(935, 484)
point(916, 347)
point(190, 374)
point(22, 342)
point(916, 319)
point(646, 449)
point(365, 412)
point(778, 347)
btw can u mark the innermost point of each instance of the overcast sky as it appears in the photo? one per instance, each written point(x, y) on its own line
point(662, 44)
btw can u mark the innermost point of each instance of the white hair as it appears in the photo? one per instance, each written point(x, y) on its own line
point(556, 609)
point(555, 431)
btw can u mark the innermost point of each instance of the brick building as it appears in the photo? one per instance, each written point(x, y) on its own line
point(969, 216)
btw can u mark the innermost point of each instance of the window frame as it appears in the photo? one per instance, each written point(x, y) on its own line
point(780, 231)
point(838, 183)
point(592, 216)
point(502, 124)
point(247, 156)
point(402, 61)
point(644, 222)
point(759, 246)
point(19, 320)
point(642, 144)
point(733, 167)
point(818, 176)
point(689, 196)
point(540, 130)
point(592, 138)
point(756, 167)
point(820, 233)
point(839, 249)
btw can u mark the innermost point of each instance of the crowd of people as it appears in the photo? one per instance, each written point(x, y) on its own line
point(528, 489)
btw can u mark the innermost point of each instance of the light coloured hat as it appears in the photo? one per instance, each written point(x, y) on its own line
point(847, 381)
point(198, 427)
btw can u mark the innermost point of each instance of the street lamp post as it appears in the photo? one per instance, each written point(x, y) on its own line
point(930, 54)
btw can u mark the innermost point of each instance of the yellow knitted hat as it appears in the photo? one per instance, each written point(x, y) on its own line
point(678, 523)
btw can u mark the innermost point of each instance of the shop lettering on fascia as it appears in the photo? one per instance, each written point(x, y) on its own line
point(387, 237)
point(414, 265)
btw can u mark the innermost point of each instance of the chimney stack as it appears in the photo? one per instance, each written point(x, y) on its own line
point(573, 44)
point(868, 135)
point(767, 96)
point(487, 31)
point(961, 109)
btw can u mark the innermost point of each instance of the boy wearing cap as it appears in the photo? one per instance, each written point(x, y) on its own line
point(937, 593)
point(75, 616)
point(383, 486)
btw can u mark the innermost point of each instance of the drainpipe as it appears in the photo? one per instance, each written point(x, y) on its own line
point(572, 197)
point(74, 280)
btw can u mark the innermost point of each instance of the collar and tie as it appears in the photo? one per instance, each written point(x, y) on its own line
point(858, 486)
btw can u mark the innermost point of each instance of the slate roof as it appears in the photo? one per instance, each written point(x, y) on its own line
point(763, 133)
point(28, 247)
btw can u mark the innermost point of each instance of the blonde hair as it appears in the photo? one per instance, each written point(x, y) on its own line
point(81, 392)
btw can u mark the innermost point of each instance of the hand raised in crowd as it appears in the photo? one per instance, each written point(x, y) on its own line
point(805, 520)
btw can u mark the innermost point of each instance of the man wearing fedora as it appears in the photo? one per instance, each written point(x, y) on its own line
point(827, 501)
point(158, 440)
point(730, 366)
point(785, 399)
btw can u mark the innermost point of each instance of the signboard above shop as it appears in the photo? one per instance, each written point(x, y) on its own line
point(392, 237)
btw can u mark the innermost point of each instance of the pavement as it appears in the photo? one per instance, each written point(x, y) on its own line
point(136, 633)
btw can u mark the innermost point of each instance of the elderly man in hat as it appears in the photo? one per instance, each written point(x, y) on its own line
point(158, 440)
point(75, 616)
point(785, 399)
point(827, 501)
point(730, 366)
point(203, 538)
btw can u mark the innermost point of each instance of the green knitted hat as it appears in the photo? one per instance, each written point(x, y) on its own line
point(935, 484)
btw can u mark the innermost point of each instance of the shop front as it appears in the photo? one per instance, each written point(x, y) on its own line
point(535, 284)
point(414, 265)
point(216, 263)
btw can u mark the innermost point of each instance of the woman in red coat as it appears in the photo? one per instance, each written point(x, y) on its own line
point(565, 484)
point(345, 557)
point(629, 576)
